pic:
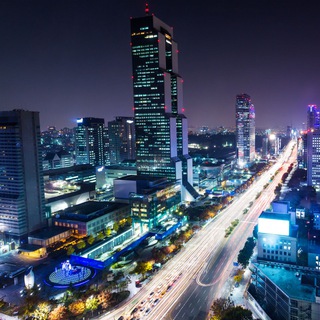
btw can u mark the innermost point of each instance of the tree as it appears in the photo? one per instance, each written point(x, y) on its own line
point(92, 304)
point(29, 304)
point(100, 236)
point(58, 313)
point(90, 239)
point(107, 232)
point(116, 227)
point(81, 244)
point(158, 255)
point(218, 307)
point(284, 177)
point(77, 307)
point(237, 313)
point(238, 277)
point(123, 285)
point(169, 249)
point(104, 298)
point(246, 253)
point(143, 267)
point(70, 250)
point(129, 221)
point(122, 223)
point(42, 311)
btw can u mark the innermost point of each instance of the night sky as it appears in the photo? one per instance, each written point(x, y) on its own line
point(71, 58)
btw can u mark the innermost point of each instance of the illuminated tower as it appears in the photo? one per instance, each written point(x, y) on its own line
point(312, 146)
point(90, 141)
point(22, 204)
point(161, 127)
point(313, 117)
point(245, 126)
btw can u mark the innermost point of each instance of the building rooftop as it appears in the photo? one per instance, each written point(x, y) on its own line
point(298, 284)
point(60, 194)
point(143, 178)
point(89, 210)
point(47, 233)
point(275, 215)
point(121, 167)
point(69, 170)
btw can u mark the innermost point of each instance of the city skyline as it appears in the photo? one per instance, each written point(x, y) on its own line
point(72, 59)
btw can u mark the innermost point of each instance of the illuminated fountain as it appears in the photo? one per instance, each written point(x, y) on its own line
point(69, 274)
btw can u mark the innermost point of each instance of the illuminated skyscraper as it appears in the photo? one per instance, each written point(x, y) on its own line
point(245, 126)
point(161, 127)
point(313, 158)
point(312, 146)
point(22, 204)
point(122, 139)
point(91, 141)
point(313, 117)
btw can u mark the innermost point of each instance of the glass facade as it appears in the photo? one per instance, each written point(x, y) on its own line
point(161, 142)
point(151, 208)
point(22, 205)
point(245, 125)
point(313, 158)
point(90, 142)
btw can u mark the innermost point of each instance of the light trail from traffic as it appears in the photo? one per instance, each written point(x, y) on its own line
point(186, 286)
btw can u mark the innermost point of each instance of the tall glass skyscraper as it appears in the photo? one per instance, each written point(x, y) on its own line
point(245, 126)
point(22, 203)
point(91, 142)
point(161, 127)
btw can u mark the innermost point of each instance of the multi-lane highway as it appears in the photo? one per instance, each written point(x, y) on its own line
point(189, 282)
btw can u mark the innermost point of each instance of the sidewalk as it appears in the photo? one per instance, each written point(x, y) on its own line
point(238, 295)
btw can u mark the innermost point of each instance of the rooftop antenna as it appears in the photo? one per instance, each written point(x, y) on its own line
point(146, 10)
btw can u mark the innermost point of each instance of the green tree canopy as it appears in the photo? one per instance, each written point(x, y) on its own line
point(143, 267)
point(70, 250)
point(246, 253)
point(237, 313)
point(218, 307)
point(91, 239)
point(100, 235)
point(81, 244)
point(116, 227)
point(107, 232)
point(92, 303)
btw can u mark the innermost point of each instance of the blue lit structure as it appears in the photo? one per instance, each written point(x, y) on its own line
point(100, 265)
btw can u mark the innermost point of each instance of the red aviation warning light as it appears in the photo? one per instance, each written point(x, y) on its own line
point(146, 10)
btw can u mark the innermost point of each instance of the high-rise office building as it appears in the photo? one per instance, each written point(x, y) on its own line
point(161, 127)
point(245, 126)
point(312, 146)
point(22, 203)
point(122, 139)
point(265, 148)
point(313, 157)
point(313, 117)
point(91, 141)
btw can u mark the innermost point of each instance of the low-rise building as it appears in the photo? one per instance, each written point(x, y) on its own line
point(151, 199)
point(277, 240)
point(91, 217)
